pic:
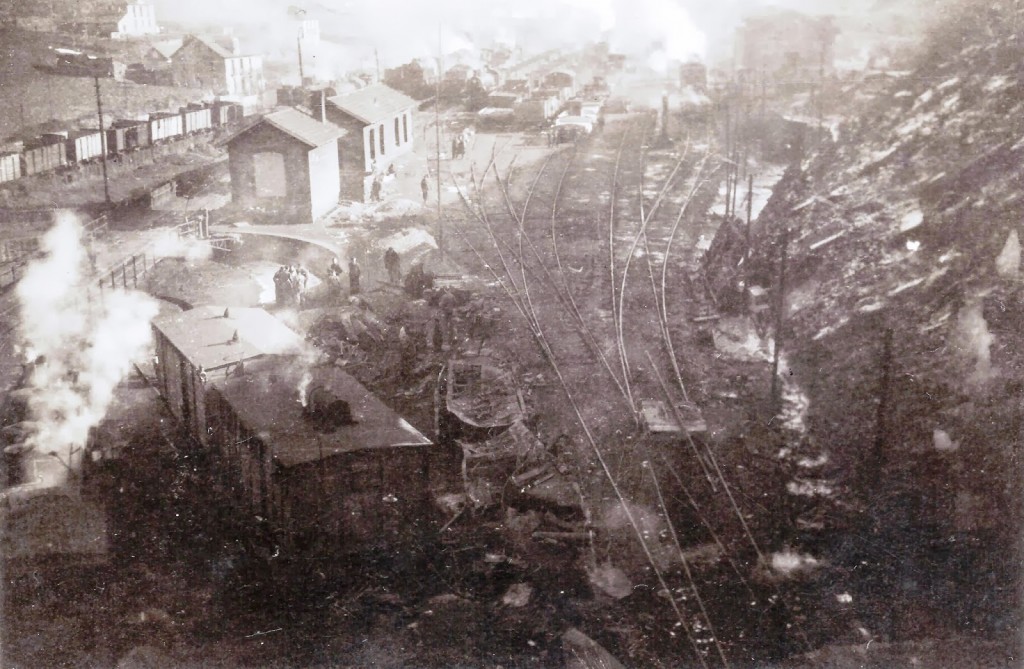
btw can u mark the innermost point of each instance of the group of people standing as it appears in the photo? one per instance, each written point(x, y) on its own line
point(290, 282)
point(335, 276)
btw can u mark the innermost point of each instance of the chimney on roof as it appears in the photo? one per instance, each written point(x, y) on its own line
point(234, 338)
point(327, 409)
point(227, 313)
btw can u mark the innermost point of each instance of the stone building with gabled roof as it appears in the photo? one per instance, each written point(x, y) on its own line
point(378, 121)
point(201, 62)
point(286, 163)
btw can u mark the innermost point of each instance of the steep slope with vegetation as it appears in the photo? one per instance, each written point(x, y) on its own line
point(903, 305)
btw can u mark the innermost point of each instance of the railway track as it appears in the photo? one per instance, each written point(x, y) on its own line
point(590, 318)
point(565, 310)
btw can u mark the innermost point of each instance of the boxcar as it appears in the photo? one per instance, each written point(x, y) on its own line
point(10, 167)
point(536, 110)
point(226, 113)
point(129, 134)
point(115, 141)
point(84, 145)
point(196, 118)
point(164, 127)
point(43, 155)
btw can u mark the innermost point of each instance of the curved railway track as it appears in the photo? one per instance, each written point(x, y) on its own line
point(567, 309)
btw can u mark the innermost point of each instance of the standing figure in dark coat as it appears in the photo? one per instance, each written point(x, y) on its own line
point(425, 188)
point(280, 285)
point(353, 276)
point(392, 265)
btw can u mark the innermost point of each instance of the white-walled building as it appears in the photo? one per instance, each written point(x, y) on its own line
point(139, 19)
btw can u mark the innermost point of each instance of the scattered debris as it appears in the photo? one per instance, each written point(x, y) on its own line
point(611, 580)
point(582, 652)
point(518, 595)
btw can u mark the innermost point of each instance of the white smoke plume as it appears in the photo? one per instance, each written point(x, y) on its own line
point(88, 341)
point(170, 245)
point(391, 32)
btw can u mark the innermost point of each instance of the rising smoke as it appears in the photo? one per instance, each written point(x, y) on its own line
point(393, 32)
point(88, 341)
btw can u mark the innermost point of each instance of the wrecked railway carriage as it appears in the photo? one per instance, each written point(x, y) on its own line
point(303, 447)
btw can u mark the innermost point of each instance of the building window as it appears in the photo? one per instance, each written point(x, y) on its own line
point(383, 147)
point(398, 137)
point(405, 127)
point(373, 147)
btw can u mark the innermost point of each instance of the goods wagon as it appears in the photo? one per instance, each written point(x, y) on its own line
point(43, 155)
point(536, 110)
point(164, 127)
point(196, 118)
point(226, 113)
point(10, 167)
point(84, 145)
point(127, 135)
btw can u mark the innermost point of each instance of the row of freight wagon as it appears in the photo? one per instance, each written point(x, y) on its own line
point(53, 151)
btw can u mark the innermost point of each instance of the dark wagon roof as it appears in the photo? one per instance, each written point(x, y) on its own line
point(266, 399)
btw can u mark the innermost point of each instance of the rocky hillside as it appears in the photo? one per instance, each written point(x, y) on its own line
point(903, 307)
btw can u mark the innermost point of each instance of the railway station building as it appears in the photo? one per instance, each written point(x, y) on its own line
point(287, 164)
point(378, 121)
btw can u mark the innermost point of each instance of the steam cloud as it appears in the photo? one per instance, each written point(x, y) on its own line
point(397, 31)
point(88, 342)
point(170, 245)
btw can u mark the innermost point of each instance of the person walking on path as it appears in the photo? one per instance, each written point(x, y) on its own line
point(353, 276)
point(425, 188)
point(375, 189)
point(392, 265)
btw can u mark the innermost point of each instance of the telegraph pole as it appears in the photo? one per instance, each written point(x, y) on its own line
point(437, 131)
point(103, 141)
point(302, 74)
point(779, 321)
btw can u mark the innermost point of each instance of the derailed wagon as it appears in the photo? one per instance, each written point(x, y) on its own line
point(476, 400)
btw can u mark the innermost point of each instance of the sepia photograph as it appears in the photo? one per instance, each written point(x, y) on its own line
point(548, 334)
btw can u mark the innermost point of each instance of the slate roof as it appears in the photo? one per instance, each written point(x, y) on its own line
point(302, 127)
point(203, 335)
point(266, 400)
point(209, 44)
point(373, 103)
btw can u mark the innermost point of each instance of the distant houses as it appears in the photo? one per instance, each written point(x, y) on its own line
point(87, 18)
point(202, 62)
point(139, 19)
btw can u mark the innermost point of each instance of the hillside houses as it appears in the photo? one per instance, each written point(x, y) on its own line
point(201, 62)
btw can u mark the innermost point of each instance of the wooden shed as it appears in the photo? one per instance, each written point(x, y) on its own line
point(287, 163)
point(326, 463)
